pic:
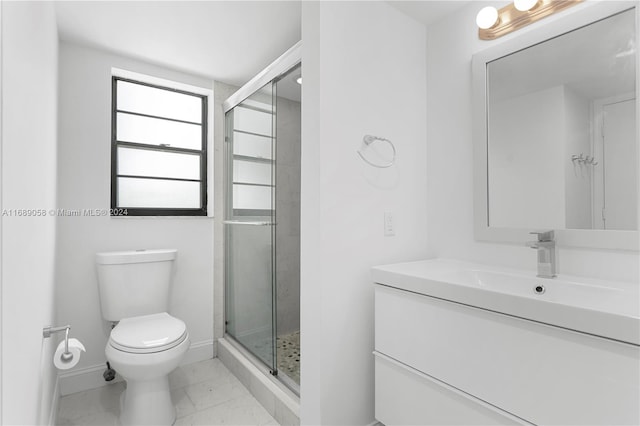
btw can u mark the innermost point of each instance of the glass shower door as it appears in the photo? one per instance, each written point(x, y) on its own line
point(249, 224)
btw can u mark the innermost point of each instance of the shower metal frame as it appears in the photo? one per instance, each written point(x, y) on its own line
point(280, 66)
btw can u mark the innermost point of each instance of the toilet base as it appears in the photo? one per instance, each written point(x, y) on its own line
point(147, 403)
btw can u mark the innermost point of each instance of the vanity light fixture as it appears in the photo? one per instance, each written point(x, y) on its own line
point(516, 15)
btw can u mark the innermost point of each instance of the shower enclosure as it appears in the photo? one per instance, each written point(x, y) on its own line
point(262, 217)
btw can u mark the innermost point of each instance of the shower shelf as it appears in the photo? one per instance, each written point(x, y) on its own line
point(254, 159)
point(254, 184)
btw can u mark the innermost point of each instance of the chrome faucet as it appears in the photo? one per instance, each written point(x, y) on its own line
point(546, 247)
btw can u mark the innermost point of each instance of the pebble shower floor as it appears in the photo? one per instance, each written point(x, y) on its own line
point(288, 350)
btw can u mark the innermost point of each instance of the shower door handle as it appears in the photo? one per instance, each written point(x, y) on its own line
point(240, 222)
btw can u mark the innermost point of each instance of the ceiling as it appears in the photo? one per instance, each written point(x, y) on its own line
point(429, 11)
point(229, 41)
point(596, 61)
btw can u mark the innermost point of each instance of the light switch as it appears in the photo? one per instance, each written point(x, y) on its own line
point(389, 226)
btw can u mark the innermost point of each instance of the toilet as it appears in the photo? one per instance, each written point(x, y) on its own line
point(147, 343)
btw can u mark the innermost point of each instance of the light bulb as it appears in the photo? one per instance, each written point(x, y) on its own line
point(299, 80)
point(487, 17)
point(524, 5)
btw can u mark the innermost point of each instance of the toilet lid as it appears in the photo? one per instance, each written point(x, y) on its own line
point(148, 333)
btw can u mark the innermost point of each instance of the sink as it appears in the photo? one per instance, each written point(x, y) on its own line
point(603, 308)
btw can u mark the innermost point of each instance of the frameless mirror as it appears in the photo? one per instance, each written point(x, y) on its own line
point(558, 125)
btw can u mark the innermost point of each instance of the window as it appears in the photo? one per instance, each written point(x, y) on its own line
point(158, 150)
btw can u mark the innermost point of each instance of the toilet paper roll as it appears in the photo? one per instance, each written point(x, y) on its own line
point(75, 347)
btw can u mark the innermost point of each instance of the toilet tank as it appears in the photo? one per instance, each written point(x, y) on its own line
point(133, 283)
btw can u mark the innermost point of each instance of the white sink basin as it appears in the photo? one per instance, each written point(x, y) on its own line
point(602, 308)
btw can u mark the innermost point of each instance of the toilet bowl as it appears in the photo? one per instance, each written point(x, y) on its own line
point(144, 350)
point(146, 343)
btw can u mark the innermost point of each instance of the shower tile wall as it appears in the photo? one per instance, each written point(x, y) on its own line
point(288, 216)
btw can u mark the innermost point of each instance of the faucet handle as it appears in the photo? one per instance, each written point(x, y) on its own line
point(544, 235)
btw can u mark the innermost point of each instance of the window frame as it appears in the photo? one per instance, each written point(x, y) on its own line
point(203, 153)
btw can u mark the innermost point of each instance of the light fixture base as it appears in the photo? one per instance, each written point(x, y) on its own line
point(511, 19)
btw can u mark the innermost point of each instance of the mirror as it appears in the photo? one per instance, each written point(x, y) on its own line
point(558, 128)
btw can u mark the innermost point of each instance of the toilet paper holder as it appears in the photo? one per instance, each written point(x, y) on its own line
point(48, 331)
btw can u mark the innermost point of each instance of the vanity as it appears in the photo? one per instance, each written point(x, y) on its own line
point(556, 153)
point(462, 343)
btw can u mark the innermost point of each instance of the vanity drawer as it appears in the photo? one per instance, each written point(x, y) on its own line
point(540, 373)
point(405, 396)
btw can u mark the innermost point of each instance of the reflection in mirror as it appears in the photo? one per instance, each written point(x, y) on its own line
point(562, 150)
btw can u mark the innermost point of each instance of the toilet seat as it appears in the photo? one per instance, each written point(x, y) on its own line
point(148, 333)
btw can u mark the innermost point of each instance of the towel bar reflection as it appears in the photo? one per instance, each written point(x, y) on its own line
point(581, 159)
point(368, 140)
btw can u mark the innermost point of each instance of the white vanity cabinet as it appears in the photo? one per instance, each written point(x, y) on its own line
point(442, 362)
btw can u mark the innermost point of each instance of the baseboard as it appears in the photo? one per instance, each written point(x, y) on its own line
point(55, 399)
point(199, 351)
point(82, 379)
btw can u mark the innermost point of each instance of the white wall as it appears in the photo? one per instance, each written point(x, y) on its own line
point(577, 177)
point(450, 45)
point(364, 73)
point(1, 186)
point(84, 183)
point(29, 96)
point(525, 160)
point(533, 137)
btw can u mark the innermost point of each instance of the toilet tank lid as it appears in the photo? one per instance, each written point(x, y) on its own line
point(135, 256)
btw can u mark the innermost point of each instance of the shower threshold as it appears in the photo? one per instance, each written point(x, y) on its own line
point(278, 395)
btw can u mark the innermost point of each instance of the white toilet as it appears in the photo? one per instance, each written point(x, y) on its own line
point(147, 343)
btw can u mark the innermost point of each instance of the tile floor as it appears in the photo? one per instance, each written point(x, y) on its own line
point(205, 393)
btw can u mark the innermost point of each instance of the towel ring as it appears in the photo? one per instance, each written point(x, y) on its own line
point(368, 140)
